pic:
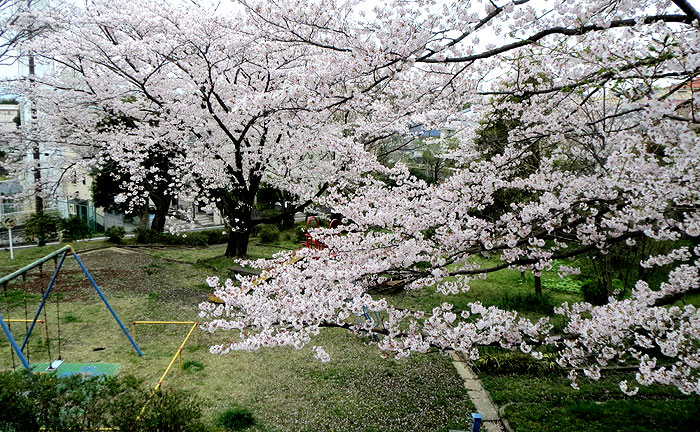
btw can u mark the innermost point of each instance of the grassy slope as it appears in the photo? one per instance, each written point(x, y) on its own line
point(548, 403)
point(288, 390)
point(284, 388)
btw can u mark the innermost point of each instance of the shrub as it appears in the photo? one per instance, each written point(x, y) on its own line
point(300, 232)
point(165, 411)
point(594, 292)
point(236, 418)
point(269, 234)
point(17, 413)
point(289, 236)
point(78, 403)
point(528, 302)
point(515, 362)
point(144, 235)
point(215, 236)
point(74, 228)
point(42, 227)
point(115, 234)
point(196, 238)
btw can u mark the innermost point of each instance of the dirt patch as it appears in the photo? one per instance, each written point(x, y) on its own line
point(118, 273)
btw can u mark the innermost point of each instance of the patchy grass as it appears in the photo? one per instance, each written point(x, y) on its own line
point(284, 389)
point(504, 289)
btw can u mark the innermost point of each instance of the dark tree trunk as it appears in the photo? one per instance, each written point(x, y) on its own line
point(144, 216)
point(162, 206)
point(608, 275)
point(538, 285)
point(287, 221)
point(237, 243)
point(237, 215)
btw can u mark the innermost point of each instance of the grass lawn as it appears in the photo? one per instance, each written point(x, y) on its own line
point(290, 390)
point(545, 401)
point(285, 389)
point(548, 403)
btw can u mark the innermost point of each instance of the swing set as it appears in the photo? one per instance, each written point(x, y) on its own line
point(22, 350)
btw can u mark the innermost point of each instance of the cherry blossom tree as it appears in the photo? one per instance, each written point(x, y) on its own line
point(233, 105)
point(603, 153)
point(296, 94)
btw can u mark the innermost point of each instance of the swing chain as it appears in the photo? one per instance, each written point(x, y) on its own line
point(7, 314)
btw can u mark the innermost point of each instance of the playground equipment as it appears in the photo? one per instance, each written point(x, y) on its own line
point(20, 349)
point(311, 242)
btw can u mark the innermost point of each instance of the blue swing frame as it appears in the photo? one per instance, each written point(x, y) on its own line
point(64, 251)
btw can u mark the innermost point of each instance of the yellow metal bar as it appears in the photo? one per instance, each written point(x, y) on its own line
point(175, 357)
point(44, 334)
point(180, 362)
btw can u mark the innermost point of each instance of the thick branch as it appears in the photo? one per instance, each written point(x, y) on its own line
point(562, 31)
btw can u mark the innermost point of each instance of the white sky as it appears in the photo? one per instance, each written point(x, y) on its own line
point(12, 71)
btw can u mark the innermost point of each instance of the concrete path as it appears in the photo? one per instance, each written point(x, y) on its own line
point(478, 395)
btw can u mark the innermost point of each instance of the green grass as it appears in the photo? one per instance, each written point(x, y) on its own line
point(549, 403)
point(26, 256)
point(621, 416)
point(542, 399)
point(492, 291)
point(285, 389)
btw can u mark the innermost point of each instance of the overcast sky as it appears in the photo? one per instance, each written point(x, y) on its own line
point(11, 71)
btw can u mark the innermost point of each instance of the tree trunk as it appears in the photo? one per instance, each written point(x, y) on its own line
point(236, 210)
point(608, 275)
point(538, 285)
point(238, 220)
point(237, 243)
point(162, 207)
point(144, 216)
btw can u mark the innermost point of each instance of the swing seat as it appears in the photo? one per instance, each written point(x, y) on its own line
point(55, 364)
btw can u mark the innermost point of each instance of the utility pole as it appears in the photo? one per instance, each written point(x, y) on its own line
point(36, 151)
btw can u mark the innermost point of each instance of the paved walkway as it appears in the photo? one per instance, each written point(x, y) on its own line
point(482, 402)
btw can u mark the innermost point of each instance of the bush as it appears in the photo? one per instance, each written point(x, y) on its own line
point(289, 236)
point(269, 234)
point(515, 362)
point(42, 227)
point(17, 413)
point(236, 418)
point(528, 302)
point(115, 234)
point(74, 228)
point(215, 236)
point(300, 232)
point(165, 411)
point(193, 239)
point(78, 403)
point(594, 292)
point(144, 235)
